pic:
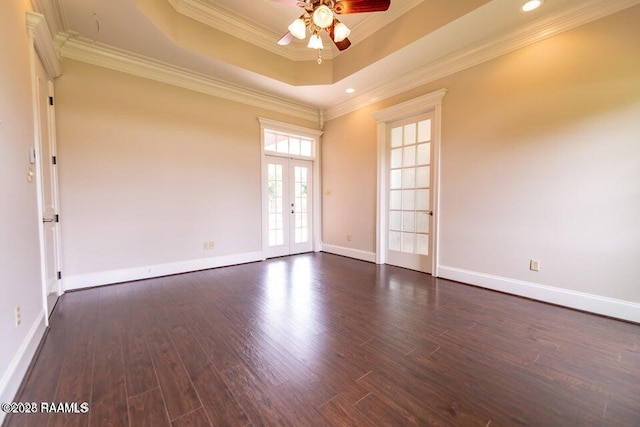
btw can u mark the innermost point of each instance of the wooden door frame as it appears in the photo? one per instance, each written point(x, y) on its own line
point(316, 135)
point(41, 49)
point(413, 107)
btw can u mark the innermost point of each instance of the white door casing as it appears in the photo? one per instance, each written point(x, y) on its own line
point(300, 156)
point(408, 211)
point(44, 68)
point(47, 179)
point(388, 119)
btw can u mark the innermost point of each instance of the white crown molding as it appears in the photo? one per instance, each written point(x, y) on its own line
point(564, 20)
point(230, 22)
point(223, 19)
point(85, 50)
point(39, 31)
point(53, 12)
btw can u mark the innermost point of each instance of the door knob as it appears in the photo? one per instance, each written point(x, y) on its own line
point(48, 220)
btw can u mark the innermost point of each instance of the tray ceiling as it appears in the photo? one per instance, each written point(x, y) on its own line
point(235, 41)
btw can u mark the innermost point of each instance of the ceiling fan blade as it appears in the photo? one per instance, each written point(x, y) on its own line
point(286, 39)
point(361, 6)
point(344, 44)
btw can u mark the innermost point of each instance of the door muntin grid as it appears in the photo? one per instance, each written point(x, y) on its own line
point(289, 204)
point(277, 142)
point(275, 185)
point(409, 187)
point(301, 204)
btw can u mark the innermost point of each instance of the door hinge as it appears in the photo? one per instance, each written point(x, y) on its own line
point(57, 218)
point(59, 275)
point(54, 160)
point(51, 100)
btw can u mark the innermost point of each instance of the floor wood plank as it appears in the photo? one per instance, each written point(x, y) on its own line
point(318, 339)
point(148, 410)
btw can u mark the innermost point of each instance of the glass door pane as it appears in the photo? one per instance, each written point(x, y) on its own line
point(276, 204)
point(289, 209)
point(301, 206)
point(409, 178)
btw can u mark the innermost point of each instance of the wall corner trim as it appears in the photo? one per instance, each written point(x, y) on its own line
point(39, 31)
point(349, 252)
point(110, 277)
point(12, 377)
point(619, 309)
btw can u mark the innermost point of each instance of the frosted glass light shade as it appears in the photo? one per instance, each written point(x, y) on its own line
point(323, 16)
point(340, 32)
point(298, 29)
point(315, 42)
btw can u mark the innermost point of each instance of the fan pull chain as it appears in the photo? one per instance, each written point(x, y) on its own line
point(319, 56)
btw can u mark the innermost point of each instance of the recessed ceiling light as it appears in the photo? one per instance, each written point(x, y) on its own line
point(350, 90)
point(531, 5)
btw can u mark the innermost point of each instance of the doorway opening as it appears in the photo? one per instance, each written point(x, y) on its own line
point(408, 172)
point(290, 200)
point(47, 184)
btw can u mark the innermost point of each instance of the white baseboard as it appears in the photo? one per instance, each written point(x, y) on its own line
point(146, 272)
point(611, 307)
point(348, 252)
point(12, 377)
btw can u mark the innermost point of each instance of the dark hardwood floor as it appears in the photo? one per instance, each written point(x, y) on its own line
point(325, 340)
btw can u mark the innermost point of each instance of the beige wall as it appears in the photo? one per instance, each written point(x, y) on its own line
point(149, 171)
point(349, 181)
point(540, 159)
point(19, 243)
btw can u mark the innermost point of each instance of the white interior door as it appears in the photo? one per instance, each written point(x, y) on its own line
point(48, 189)
point(409, 193)
point(289, 206)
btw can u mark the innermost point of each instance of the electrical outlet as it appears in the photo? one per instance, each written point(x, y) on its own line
point(18, 316)
point(211, 245)
point(534, 265)
point(205, 246)
point(348, 237)
point(208, 245)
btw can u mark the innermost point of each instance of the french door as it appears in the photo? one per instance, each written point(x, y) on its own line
point(289, 207)
point(409, 193)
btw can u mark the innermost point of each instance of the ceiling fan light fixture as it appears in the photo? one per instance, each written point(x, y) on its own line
point(340, 32)
point(315, 42)
point(298, 29)
point(323, 16)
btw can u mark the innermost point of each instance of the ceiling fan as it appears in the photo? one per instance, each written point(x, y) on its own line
point(321, 15)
